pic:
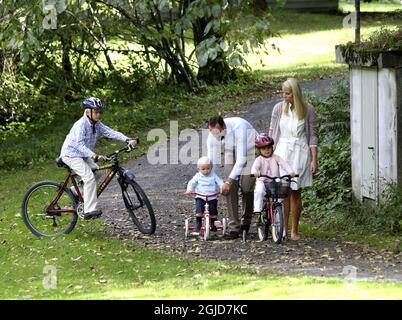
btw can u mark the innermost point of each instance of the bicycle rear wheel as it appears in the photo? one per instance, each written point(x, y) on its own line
point(277, 224)
point(45, 224)
point(139, 207)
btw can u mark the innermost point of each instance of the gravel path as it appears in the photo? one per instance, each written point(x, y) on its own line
point(165, 186)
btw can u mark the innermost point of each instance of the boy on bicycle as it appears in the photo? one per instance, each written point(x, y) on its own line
point(77, 150)
point(205, 182)
point(266, 164)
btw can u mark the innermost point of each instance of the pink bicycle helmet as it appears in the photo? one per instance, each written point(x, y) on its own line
point(263, 141)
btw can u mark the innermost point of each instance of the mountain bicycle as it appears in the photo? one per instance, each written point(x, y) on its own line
point(52, 208)
point(271, 217)
point(206, 221)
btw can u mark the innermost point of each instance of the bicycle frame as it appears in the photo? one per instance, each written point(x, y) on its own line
point(205, 225)
point(206, 207)
point(273, 199)
point(114, 169)
point(269, 207)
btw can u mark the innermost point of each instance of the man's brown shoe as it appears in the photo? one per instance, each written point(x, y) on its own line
point(231, 236)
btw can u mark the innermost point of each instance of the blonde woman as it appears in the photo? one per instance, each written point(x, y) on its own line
point(293, 129)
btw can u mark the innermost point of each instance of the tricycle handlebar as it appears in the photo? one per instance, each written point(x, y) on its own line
point(206, 195)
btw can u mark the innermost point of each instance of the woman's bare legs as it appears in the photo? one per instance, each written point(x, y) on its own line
point(295, 205)
point(286, 203)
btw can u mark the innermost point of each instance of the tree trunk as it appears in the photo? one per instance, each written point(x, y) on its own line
point(218, 70)
point(66, 62)
point(67, 67)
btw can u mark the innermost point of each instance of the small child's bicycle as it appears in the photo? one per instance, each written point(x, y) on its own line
point(271, 216)
point(206, 221)
point(51, 208)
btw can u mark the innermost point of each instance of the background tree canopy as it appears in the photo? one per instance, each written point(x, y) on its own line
point(56, 51)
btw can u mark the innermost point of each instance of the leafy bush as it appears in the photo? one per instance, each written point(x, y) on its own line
point(332, 184)
point(369, 49)
point(384, 39)
point(389, 213)
point(21, 104)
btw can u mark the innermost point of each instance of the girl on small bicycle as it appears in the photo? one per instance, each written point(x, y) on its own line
point(205, 182)
point(266, 164)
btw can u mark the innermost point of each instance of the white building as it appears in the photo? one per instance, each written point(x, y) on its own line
point(376, 121)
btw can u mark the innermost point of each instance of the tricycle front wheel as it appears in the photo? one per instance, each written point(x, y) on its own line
point(263, 227)
point(277, 224)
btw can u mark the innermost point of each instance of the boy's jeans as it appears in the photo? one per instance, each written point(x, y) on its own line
point(83, 167)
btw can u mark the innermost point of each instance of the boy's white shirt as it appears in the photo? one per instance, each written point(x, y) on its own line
point(205, 184)
point(81, 140)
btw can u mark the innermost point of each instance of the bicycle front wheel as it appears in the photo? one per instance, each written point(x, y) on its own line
point(263, 227)
point(35, 212)
point(277, 224)
point(139, 207)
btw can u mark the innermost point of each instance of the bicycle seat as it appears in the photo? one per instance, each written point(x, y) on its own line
point(59, 162)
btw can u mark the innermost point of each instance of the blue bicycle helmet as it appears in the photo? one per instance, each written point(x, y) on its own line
point(92, 103)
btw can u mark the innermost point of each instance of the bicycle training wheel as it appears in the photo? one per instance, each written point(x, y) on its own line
point(207, 227)
point(277, 224)
point(224, 226)
point(186, 228)
point(139, 207)
point(263, 227)
point(47, 224)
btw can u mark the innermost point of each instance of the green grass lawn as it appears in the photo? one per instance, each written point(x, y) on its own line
point(90, 265)
point(307, 50)
point(374, 6)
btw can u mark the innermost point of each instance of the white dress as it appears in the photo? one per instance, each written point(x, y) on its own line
point(294, 149)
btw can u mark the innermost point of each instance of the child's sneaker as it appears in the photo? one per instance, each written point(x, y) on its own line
point(258, 219)
point(213, 226)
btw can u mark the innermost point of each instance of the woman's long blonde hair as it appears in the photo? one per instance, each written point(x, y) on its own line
point(300, 106)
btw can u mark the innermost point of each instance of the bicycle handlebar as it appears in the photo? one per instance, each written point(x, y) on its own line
point(273, 178)
point(113, 155)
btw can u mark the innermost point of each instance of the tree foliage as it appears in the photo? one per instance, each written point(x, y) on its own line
point(52, 49)
point(160, 31)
